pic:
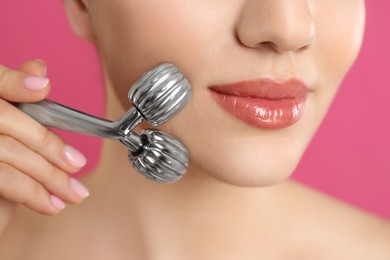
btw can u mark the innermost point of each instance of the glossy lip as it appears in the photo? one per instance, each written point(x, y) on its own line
point(263, 103)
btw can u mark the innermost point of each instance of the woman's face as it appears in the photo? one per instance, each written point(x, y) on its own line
point(292, 56)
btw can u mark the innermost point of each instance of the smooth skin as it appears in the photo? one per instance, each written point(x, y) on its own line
point(35, 145)
point(234, 202)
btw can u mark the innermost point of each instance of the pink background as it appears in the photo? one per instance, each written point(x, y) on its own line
point(349, 157)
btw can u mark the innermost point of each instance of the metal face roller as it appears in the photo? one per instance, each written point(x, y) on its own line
point(157, 96)
point(162, 158)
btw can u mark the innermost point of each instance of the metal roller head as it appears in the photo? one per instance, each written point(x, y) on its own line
point(160, 93)
point(162, 159)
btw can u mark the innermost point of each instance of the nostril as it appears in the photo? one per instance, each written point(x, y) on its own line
point(280, 45)
point(269, 45)
point(304, 47)
point(277, 26)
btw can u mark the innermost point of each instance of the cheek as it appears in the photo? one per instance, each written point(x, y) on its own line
point(233, 152)
point(337, 44)
point(132, 42)
point(338, 39)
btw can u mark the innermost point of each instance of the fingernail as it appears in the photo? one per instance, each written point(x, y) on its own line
point(79, 188)
point(36, 83)
point(57, 203)
point(74, 157)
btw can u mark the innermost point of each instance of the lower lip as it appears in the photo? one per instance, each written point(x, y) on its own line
point(262, 113)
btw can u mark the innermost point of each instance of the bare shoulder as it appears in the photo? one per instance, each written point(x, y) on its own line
point(338, 230)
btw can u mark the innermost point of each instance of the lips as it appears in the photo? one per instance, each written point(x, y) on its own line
point(263, 103)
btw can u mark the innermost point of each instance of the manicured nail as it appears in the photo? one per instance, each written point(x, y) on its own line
point(74, 157)
point(57, 203)
point(79, 188)
point(36, 83)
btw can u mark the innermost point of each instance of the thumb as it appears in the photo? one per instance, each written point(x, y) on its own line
point(18, 86)
point(34, 67)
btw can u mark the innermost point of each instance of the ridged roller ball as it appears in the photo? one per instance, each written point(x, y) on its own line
point(162, 159)
point(160, 93)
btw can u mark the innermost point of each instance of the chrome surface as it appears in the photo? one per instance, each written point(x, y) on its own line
point(157, 96)
point(163, 159)
point(160, 94)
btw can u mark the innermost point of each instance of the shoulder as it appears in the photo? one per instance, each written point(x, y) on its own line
point(335, 229)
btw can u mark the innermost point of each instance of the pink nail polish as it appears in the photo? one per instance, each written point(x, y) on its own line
point(36, 83)
point(57, 203)
point(79, 188)
point(74, 157)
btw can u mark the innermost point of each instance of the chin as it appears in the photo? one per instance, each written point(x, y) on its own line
point(248, 171)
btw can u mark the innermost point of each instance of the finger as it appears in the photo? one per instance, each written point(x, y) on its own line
point(34, 67)
point(21, 189)
point(18, 125)
point(17, 86)
point(35, 166)
point(6, 209)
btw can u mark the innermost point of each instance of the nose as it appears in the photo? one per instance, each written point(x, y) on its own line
point(279, 25)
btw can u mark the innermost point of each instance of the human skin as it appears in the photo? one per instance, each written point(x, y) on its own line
point(212, 42)
point(219, 43)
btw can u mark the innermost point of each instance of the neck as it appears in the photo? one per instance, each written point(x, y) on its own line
point(196, 209)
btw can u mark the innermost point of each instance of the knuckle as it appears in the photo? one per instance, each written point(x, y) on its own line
point(48, 143)
point(50, 176)
point(11, 184)
point(4, 73)
point(16, 187)
point(8, 78)
point(59, 184)
point(4, 107)
point(5, 178)
point(32, 191)
point(8, 146)
point(45, 137)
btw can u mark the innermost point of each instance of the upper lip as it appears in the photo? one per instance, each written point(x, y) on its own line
point(265, 88)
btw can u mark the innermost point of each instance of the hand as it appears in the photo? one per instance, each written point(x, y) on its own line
point(34, 162)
